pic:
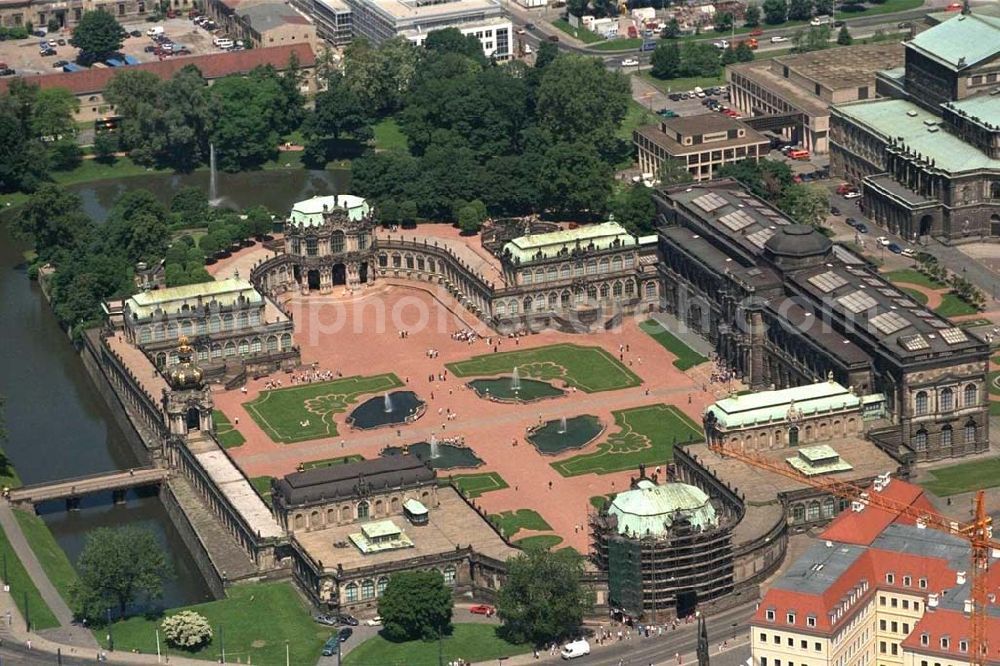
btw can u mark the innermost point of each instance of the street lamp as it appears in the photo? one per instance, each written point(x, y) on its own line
point(111, 639)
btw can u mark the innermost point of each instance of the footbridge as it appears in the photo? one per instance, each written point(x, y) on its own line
point(71, 490)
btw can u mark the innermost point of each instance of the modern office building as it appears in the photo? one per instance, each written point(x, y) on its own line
point(334, 20)
point(784, 307)
point(928, 160)
point(703, 143)
point(379, 20)
point(792, 94)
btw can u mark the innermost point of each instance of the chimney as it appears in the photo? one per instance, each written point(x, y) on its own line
point(967, 607)
point(960, 578)
point(932, 601)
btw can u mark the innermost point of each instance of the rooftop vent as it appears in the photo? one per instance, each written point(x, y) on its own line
point(933, 129)
point(932, 600)
point(960, 578)
point(911, 113)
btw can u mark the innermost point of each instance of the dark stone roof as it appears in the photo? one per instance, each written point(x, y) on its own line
point(352, 479)
point(798, 240)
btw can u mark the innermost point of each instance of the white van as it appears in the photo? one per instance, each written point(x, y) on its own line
point(223, 43)
point(155, 31)
point(822, 19)
point(575, 649)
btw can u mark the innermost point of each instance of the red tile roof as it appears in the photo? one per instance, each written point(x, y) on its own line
point(956, 627)
point(212, 66)
point(862, 527)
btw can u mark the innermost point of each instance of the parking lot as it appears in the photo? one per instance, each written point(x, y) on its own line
point(24, 57)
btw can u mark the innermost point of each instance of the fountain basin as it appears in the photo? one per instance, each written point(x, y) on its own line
point(553, 437)
point(373, 413)
point(501, 389)
point(450, 456)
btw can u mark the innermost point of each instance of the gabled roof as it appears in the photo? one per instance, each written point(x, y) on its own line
point(961, 42)
point(863, 527)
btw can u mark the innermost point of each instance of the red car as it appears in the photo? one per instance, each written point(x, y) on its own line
point(482, 609)
point(954, 7)
point(756, 32)
point(844, 188)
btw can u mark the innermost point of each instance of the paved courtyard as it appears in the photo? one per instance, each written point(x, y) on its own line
point(358, 334)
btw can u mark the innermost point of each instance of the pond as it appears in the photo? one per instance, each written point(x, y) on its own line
point(556, 436)
point(506, 389)
point(389, 409)
point(438, 455)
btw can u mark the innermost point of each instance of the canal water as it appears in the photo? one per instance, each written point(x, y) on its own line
point(57, 424)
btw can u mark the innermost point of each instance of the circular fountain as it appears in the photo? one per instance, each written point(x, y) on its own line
point(514, 389)
point(556, 436)
point(438, 454)
point(389, 409)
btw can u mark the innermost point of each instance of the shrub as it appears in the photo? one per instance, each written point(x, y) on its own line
point(187, 630)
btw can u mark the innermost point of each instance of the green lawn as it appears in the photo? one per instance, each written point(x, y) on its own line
point(512, 522)
point(22, 586)
point(686, 357)
point(646, 435)
point(51, 556)
point(636, 116)
point(542, 541)
point(256, 620)
point(913, 277)
point(918, 296)
point(8, 475)
point(888, 7)
point(225, 432)
point(262, 484)
point(281, 412)
point(601, 501)
point(591, 369)
point(389, 137)
point(953, 306)
point(584, 35)
point(474, 485)
point(994, 407)
point(472, 642)
point(964, 477)
point(330, 462)
point(685, 84)
point(619, 44)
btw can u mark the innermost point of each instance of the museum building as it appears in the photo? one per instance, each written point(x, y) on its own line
point(784, 306)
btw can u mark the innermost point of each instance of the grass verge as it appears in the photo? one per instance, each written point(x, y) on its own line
point(471, 642)
point(964, 477)
point(512, 522)
point(23, 590)
point(388, 136)
point(953, 306)
point(686, 357)
point(584, 35)
point(50, 555)
point(912, 277)
point(262, 484)
point(474, 485)
point(539, 541)
point(227, 434)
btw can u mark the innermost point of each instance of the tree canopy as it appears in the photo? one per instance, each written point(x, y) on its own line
point(98, 35)
point(416, 605)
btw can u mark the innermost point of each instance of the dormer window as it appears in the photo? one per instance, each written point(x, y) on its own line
point(907, 581)
point(890, 578)
point(791, 618)
point(922, 583)
point(945, 642)
point(769, 614)
point(811, 621)
point(925, 638)
point(963, 646)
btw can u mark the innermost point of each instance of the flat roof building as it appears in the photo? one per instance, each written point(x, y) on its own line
point(263, 23)
point(797, 90)
point(703, 143)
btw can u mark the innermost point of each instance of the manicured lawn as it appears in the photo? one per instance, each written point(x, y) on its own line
point(256, 620)
point(685, 84)
point(918, 296)
point(330, 462)
point(472, 642)
point(388, 136)
point(8, 475)
point(686, 357)
point(21, 585)
point(964, 477)
point(225, 432)
point(619, 44)
point(636, 116)
point(887, 7)
point(953, 306)
point(995, 408)
point(262, 484)
point(913, 277)
point(542, 541)
point(474, 485)
point(591, 369)
point(298, 413)
point(511, 522)
point(601, 501)
point(584, 35)
point(51, 556)
point(88, 170)
point(646, 435)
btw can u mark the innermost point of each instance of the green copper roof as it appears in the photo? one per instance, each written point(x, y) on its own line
point(960, 42)
point(310, 212)
point(984, 107)
point(650, 509)
point(773, 406)
point(896, 118)
point(816, 460)
point(551, 244)
point(173, 299)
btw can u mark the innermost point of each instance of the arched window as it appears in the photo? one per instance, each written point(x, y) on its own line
point(378, 507)
point(605, 291)
point(312, 246)
point(798, 513)
point(362, 510)
point(564, 299)
point(947, 400)
point(650, 289)
point(395, 505)
point(286, 341)
point(793, 436)
point(383, 583)
point(230, 349)
point(367, 589)
point(145, 335)
point(591, 293)
point(920, 440)
point(971, 397)
point(616, 264)
point(314, 520)
point(272, 343)
point(617, 290)
point(244, 347)
point(501, 308)
point(970, 433)
point(552, 274)
point(255, 346)
point(449, 574)
point(921, 402)
point(828, 507)
point(602, 266)
point(351, 592)
point(812, 513)
point(946, 436)
point(300, 521)
point(564, 272)
point(346, 514)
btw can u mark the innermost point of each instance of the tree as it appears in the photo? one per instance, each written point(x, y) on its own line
point(22, 156)
point(728, 56)
point(744, 53)
point(672, 30)
point(633, 208)
point(451, 40)
point(337, 113)
point(580, 100)
point(666, 60)
point(852, 5)
point(543, 600)
point(65, 154)
point(137, 225)
point(243, 133)
point(800, 10)
point(823, 7)
point(189, 208)
point(700, 59)
point(381, 77)
point(547, 52)
point(751, 17)
point(258, 221)
point(724, 22)
point(673, 172)
point(471, 217)
point(98, 36)
point(806, 204)
point(52, 219)
point(116, 568)
point(844, 37)
point(187, 630)
point(415, 605)
point(775, 11)
point(577, 7)
point(768, 179)
point(814, 39)
point(52, 116)
point(105, 147)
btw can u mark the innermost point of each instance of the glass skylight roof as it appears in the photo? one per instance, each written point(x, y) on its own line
point(888, 323)
point(827, 282)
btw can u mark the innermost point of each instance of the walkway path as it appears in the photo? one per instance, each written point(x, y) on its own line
point(67, 632)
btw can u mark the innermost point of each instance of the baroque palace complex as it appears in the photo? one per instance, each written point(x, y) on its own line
point(851, 379)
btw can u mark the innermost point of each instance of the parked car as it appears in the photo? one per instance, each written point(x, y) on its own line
point(60, 63)
point(839, 24)
point(150, 49)
point(330, 647)
point(328, 620)
point(852, 195)
point(349, 620)
point(895, 248)
point(60, 42)
point(756, 32)
point(47, 52)
point(882, 240)
point(630, 62)
point(575, 649)
point(954, 7)
point(777, 39)
point(345, 633)
point(374, 622)
point(852, 222)
point(835, 211)
point(722, 44)
point(844, 188)
point(135, 33)
point(7, 71)
point(862, 228)
point(908, 252)
point(482, 609)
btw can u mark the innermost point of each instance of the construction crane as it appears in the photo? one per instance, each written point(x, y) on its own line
point(978, 532)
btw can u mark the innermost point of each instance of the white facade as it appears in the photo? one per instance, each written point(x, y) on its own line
point(531, 4)
point(494, 35)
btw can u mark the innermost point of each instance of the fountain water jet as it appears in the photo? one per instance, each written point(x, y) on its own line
point(515, 380)
point(388, 404)
point(562, 426)
point(435, 449)
point(213, 187)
